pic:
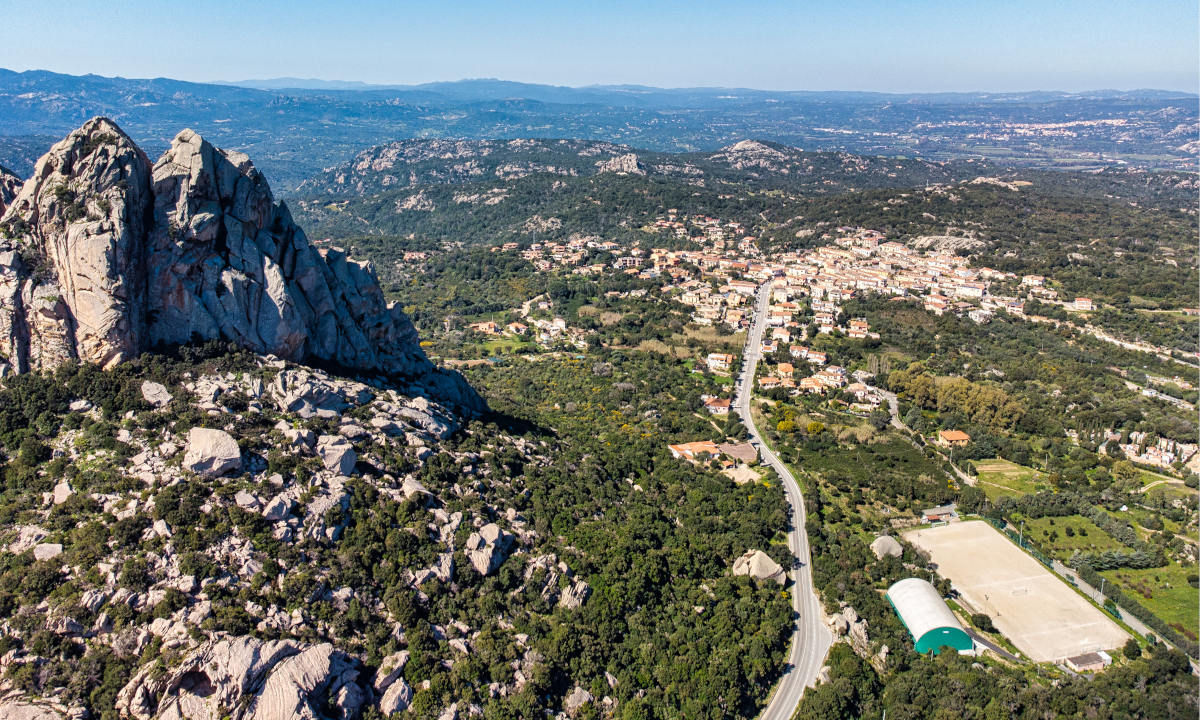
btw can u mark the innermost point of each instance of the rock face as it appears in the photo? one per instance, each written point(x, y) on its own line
point(758, 565)
point(248, 679)
point(103, 256)
point(9, 185)
point(211, 452)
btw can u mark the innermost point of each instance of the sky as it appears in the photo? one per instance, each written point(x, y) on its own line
point(880, 45)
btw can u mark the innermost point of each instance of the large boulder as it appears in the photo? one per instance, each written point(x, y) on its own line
point(758, 565)
point(487, 548)
point(21, 709)
point(211, 453)
point(244, 678)
point(337, 454)
point(886, 546)
point(156, 394)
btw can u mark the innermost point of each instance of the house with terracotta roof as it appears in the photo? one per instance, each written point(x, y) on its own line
point(694, 450)
point(952, 438)
point(717, 406)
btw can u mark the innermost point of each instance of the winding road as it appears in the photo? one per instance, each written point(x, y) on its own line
point(810, 639)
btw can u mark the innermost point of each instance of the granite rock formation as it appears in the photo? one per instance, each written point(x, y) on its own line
point(104, 255)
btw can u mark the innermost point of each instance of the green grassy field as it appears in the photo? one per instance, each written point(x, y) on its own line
point(1051, 534)
point(1165, 592)
point(508, 344)
point(998, 478)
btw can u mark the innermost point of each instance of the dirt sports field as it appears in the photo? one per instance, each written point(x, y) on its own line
point(1032, 607)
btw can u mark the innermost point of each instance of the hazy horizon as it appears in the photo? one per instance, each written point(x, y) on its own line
point(351, 84)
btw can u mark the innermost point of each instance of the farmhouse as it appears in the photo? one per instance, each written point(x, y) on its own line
point(717, 406)
point(952, 438)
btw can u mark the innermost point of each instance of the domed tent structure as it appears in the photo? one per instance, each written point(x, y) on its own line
point(926, 616)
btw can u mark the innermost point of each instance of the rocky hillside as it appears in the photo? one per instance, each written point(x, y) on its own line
point(410, 163)
point(104, 255)
point(211, 535)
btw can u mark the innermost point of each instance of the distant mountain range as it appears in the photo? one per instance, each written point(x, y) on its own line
point(298, 127)
point(645, 95)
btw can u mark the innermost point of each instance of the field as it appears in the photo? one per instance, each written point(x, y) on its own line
point(1170, 596)
point(1050, 533)
point(998, 478)
point(1032, 607)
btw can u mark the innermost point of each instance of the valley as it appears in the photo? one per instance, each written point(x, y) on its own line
point(569, 428)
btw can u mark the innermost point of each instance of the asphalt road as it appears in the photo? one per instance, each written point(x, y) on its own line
point(810, 638)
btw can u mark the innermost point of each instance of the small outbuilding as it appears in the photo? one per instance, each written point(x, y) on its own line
point(921, 608)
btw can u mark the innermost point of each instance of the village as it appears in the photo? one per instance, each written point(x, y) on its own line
point(718, 281)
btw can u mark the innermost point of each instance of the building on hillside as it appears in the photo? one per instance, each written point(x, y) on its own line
point(926, 616)
point(941, 513)
point(952, 438)
point(719, 362)
point(1083, 304)
point(717, 406)
point(1089, 662)
point(694, 450)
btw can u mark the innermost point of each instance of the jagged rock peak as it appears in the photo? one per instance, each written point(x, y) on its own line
point(103, 256)
point(72, 286)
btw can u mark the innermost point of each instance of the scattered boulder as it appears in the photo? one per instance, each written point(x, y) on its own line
point(62, 492)
point(758, 565)
point(487, 548)
point(280, 507)
point(47, 551)
point(211, 453)
point(574, 595)
point(156, 394)
point(577, 699)
point(337, 454)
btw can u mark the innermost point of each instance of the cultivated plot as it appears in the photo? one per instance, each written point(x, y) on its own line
point(1032, 607)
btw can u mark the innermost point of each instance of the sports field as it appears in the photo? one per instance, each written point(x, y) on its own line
point(1031, 606)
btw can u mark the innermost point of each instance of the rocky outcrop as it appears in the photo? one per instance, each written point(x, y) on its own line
point(487, 548)
point(249, 679)
point(886, 546)
point(80, 223)
point(626, 164)
point(20, 709)
point(103, 256)
point(758, 565)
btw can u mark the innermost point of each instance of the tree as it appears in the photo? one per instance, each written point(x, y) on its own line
point(1132, 650)
point(983, 621)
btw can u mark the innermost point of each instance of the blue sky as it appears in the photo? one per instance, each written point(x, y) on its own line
point(852, 45)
